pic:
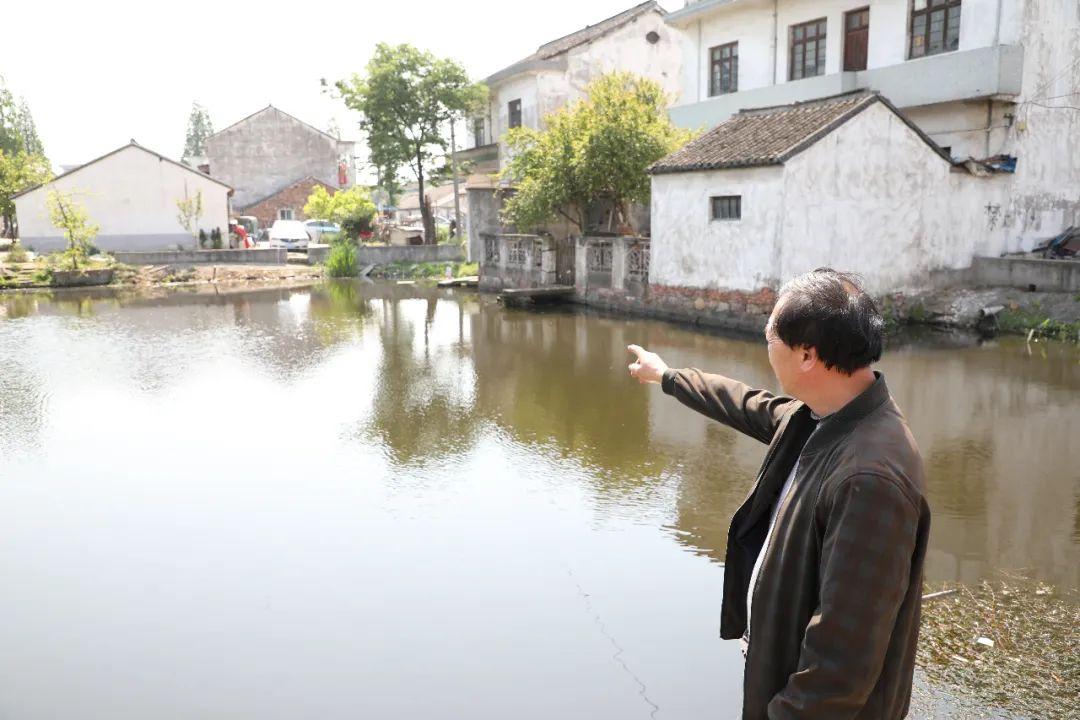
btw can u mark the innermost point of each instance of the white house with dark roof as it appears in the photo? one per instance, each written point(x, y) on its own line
point(983, 78)
point(846, 182)
point(636, 40)
point(131, 194)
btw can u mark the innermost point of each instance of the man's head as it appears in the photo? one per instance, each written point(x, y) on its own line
point(823, 329)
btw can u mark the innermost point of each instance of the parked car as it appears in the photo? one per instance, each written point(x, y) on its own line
point(317, 228)
point(289, 234)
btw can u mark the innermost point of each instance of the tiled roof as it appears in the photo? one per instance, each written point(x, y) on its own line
point(550, 50)
point(770, 136)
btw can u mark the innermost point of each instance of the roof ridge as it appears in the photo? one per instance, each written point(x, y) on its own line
point(627, 12)
point(130, 144)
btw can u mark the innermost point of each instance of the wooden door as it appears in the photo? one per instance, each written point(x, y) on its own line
point(856, 38)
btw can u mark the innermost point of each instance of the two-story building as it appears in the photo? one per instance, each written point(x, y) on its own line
point(922, 133)
point(636, 40)
point(275, 160)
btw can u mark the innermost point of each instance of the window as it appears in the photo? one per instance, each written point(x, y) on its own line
point(724, 69)
point(478, 132)
point(727, 207)
point(807, 53)
point(856, 39)
point(514, 111)
point(285, 214)
point(935, 27)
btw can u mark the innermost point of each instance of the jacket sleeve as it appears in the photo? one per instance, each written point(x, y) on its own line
point(752, 412)
point(870, 538)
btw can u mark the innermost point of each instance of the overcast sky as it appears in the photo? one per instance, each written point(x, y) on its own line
point(97, 74)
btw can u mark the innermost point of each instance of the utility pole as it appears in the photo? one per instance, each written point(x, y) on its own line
point(453, 169)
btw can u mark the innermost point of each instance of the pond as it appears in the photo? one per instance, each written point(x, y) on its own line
point(363, 500)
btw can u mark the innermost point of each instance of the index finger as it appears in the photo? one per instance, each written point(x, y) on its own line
point(637, 350)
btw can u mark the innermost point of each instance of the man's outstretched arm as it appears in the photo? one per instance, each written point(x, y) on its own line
point(753, 412)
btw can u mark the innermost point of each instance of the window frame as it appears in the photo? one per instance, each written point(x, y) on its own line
point(716, 59)
point(925, 13)
point(478, 132)
point(513, 108)
point(721, 204)
point(281, 212)
point(821, 48)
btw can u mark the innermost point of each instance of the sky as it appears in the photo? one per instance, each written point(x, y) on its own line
point(99, 74)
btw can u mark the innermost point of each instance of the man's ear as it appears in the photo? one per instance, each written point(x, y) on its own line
point(808, 357)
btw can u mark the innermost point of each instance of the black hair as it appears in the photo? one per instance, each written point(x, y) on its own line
point(829, 311)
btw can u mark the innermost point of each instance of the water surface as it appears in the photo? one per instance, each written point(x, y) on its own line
point(383, 501)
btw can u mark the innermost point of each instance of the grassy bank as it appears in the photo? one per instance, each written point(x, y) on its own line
point(432, 271)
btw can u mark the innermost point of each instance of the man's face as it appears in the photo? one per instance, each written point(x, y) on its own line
point(785, 361)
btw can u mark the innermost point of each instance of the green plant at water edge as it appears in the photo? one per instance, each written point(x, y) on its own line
point(215, 238)
point(43, 276)
point(1023, 321)
point(17, 254)
point(203, 239)
point(341, 262)
point(70, 216)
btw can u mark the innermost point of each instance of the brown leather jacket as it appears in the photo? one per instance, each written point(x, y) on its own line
point(836, 609)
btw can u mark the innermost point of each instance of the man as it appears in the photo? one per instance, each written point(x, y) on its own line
point(823, 573)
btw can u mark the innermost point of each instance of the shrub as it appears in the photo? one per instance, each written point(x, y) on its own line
point(203, 240)
point(341, 262)
point(442, 234)
point(215, 238)
point(17, 254)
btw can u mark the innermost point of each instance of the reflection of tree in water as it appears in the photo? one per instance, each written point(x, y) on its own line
point(957, 473)
point(422, 410)
point(559, 379)
point(22, 406)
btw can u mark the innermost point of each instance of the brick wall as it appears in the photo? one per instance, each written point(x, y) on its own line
point(295, 196)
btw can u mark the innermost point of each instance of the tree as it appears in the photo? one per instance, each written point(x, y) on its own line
point(596, 149)
point(406, 98)
point(352, 208)
point(28, 131)
point(190, 210)
point(199, 128)
point(19, 170)
point(69, 215)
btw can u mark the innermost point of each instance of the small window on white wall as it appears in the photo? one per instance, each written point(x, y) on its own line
point(726, 207)
point(285, 214)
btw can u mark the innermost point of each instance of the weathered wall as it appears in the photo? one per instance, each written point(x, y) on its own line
point(1023, 273)
point(132, 196)
point(1044, 194)
point(690, 249)
point(271, 149)
point(483, 217)
point(623, 50)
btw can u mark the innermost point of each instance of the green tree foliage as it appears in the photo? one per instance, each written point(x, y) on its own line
point(19, 170)
point(352, 209)
point(596, 149)
point(67, 214)
point(22, 158)
point(199, 128)
point(406, 98)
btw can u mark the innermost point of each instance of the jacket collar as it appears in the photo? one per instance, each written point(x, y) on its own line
point(841, 422)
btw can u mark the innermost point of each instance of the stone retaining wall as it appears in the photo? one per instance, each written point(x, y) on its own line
point(384, 255)
point(255, 256)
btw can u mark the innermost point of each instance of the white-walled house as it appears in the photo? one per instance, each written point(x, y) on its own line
point(131, 194)
point(636, 40)
point(846, 182)
point(983, 78)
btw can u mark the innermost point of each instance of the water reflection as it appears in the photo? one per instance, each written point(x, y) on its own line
point(442, 498)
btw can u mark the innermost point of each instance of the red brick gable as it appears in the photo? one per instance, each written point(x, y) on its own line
point(294, 196)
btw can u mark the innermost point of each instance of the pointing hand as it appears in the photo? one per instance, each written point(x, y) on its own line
point(648, 367)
